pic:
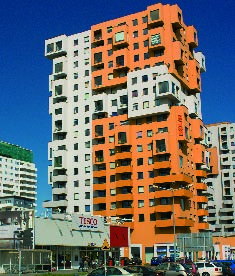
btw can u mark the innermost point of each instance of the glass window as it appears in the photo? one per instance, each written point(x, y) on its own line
point(135, 34)
point(135, 22)
point(136, 58)
point(134, 80)
point(87, 182)
point(144, 78)
point(145, 31)
point(154, 15)
point(136, 46)
point(163, 87)
point(155, 39)
point(119, 36)
point(112, 165)
point(134, 93)
point(139, 148)
point(140, 203)
point(145, 19)
point(146, 104)
point(87, 208)
point(76, 196)
point(140, 175)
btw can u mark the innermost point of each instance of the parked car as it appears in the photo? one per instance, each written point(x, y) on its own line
point(145, 270)
point(155, 261)
point(226, 269)
point(114, 271)
point(173, 269)
point(192, 266)
point(135, 260)
point(208, 268)
point(229, 263)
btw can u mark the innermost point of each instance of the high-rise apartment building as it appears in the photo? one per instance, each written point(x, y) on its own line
point(221, 179)
point(17, 178)
point(128, 139)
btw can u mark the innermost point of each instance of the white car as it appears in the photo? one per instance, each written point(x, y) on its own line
point(208, 269)
point(114, 271)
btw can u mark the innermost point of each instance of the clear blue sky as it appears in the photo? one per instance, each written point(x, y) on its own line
point(26, 24)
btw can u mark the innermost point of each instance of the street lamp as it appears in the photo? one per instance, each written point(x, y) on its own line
point(173, 211)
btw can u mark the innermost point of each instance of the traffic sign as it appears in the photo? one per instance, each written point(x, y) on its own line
point(105, 245)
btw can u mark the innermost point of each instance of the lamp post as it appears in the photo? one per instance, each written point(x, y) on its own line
point(173, 211)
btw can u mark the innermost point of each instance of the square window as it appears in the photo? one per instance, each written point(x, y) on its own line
point(112, 192)
point(140, 175)
point(87, 120)
point(151, 202)
point(87, 208)
point(140, 189)
point(86, 39)
point(140, 203)
point(145, 91)
point(145, 31)
point(134, 93)
point(134, 80)
point(149, 133)
point(110, 64)
point(110, 52)
point(151, 174)
point(135, 22)
point(76, 209)
point(150, 160)
point(135, 34)
point(87, 182)
point(139, 134)
point(146, 43)
point(136, 46)
point(144, 78)
point(111, 126)
point(111, 139)
point(110, 40)
point(87, 157)
point(140, 161)
point(87, 195)
point(145, 19)
point(109, 29)
point(135, 106)
point(76, 196)
point(110, 76)
point(146, 56)
point(87, 144)
point(112, 178)
point(149, 120)
point(141, 217)
point(145, 104)
point(139, 148)
point(87, 169)
point(112, 165)
point(113, 205)
point(75, 183)
point(136, 58)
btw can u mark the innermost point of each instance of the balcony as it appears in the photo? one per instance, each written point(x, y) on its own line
point(203, 225)
point(201, 186)
point(124, 211)
point(59, 178)
point(120, 38)
point(99, 187)
point(162, 165)
point(123, 155)
point(163, 193)
point(156, 41)
point(202, 199)
point(99, 173)
point(163, 208)
point(55, 204)
point(226, 210)
point(179, 222)
point(56, 47)
point(124, 197)
point(58, 191)
point(178, 53)
point(123, 169)
point(201, 173)
point(97, 39)
point(99, 200)
point(201, 60)
point(202, 212)
point(183, 193)
point(155, 17)
point(192, 38)
point(124, 183)
point(173, 178)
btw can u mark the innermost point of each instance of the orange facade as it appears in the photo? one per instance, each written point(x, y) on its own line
point(148, 170)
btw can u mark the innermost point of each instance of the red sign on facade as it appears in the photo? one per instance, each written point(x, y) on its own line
point(180, 126)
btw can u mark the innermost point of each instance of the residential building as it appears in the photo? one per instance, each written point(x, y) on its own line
point(221, 180)
point(17, 178)
point(128, 140)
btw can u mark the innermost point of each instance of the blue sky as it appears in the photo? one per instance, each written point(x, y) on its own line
point(26, 24)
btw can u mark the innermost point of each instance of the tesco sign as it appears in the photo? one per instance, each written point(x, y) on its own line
point(81, 222)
